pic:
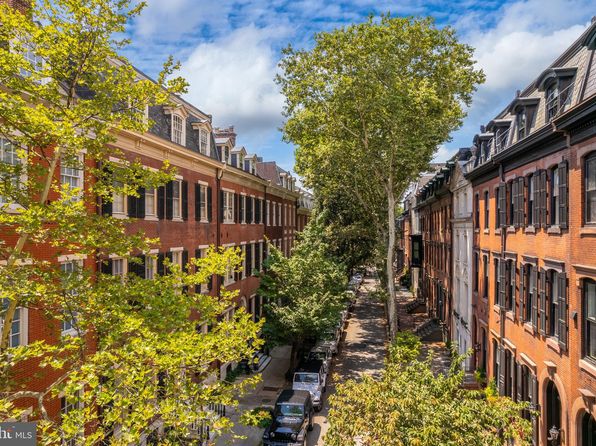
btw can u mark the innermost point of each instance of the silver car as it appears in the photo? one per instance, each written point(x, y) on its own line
point(311, 376)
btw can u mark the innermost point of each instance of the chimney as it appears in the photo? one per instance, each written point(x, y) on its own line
point(482, 129)
point(517, 93)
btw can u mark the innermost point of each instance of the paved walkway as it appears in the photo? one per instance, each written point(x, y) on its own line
point(362, 351)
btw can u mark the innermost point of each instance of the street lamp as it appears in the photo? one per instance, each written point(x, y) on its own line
point(553, 433)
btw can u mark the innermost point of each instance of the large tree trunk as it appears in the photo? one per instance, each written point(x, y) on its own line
point(391, 303)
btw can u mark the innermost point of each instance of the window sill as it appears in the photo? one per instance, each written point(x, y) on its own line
point(178, 219)
point(11, 208)
point(553, 344)
point(498, 231)
point(529, 328)
point(587, 367)
point(554, 229)
point(229, 223)
point(151, 218)
point(587, 231)
point(510, 230)
point(509, 315)
point(496, 308)
point(71, 332)
point(530, 230)
point(476, 230)
point(119, 216)
point(204, 221)
point(486, 231)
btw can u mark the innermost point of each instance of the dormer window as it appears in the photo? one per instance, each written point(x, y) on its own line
point(552, 103)
point(204, 141)
point(241, 161)
point(521, 120)
point(557, 84)
point(177, 129)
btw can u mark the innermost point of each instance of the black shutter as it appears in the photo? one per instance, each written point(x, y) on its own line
point(221, 206)
point(521, 207)
point(197, 202)
point(534, 401)
point(209, 204)
point(160, 266)
point(258, 256)
point(535, 297)
point(185, 200)
point(237, 208)
point(536, 207)
point(132, 206)
point(258, 211)
point(169, 200)
point(512, 287)
point(543, 199)
point(562, 306)
point(502, 205)
point(522, 292)
point(106, 205)
point(242, 201)
point(248, 260)
point(106, 266)
point(512, 375)
point(249, 210)
point(519, 383)
point(138, 268)
point(514, 197)
point(141, 203)
point(502, 285)
point(542, 304)
point(161, 206)
point(185, 261)
point(563, 195)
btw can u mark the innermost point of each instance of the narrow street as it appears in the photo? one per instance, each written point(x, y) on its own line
point(362, 351)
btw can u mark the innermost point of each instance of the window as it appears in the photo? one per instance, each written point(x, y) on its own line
point(69, 322)
point(590, 189)
point(553, 302)
point(150, 267)
point(71, 174)
point(499, 284)
point(67, 407)
point(531, 194)
point(228, 207)
point(118, 200)
point(118, 267)
point(18, 330)
point(531, 297)
point(486, 210)
point(477, 211)
point(10, 161)
point(176, 199)
point(554, 194)
point(476, 271)
point(486, 272)
point(35, 61)
point(552, 101)
point(150, 202)
point(590, 319)
point(203, 202)
point(177, 129)
point(204, 141)
point(521, 124)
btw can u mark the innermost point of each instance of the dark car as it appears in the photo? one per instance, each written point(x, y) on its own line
point(292, 418)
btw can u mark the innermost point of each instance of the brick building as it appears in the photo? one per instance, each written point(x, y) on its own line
point(217, 198)
point(533, 175)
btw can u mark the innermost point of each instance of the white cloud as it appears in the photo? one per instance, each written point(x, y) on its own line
point(233, 79)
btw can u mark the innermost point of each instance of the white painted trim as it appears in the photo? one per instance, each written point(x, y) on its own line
point(203, 247)
point(203, 183)
point(177, 249)
point(71, 257)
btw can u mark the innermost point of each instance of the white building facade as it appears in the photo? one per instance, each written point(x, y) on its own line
point(463, 233)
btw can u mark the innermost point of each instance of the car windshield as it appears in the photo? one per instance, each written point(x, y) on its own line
point(310, 378)
point(290, 410)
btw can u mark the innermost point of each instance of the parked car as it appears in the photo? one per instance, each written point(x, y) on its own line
point(292, 419)
point(323, 350)
point(358, 277)
point(333, 335)
point(311, 376)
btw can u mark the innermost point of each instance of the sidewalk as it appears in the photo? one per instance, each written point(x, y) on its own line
point(265, 394)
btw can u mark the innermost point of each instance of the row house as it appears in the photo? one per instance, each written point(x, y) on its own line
point(433, 205)
point(303, 209)
point(533, 179)
point(217, 198)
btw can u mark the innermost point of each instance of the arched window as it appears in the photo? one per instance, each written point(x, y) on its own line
point(588, 430)
point(521, 122)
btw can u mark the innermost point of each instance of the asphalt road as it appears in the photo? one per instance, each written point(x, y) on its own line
point(362, 352)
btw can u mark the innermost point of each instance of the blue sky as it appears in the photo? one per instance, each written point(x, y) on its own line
point(229, 50)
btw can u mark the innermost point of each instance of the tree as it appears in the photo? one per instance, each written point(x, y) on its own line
point(367, 107)
point(136, 356)
point(410, 405)
point(305, 292)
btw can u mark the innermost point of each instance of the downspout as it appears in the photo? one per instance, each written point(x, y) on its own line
point(218, 176)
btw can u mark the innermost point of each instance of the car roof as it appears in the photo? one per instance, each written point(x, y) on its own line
point(293, 396)
point(312, 366)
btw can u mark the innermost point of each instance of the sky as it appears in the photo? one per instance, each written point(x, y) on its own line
point(229, 50)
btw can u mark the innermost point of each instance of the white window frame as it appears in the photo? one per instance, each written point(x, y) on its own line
point(268, 206)
point(203, 203)
point(203, 288)
point(243, 247)
point(124, 271)
point(151, 198)
point(228, 207)
point(116, 197)
point(150, 266)
point(69, 172)
point(178, 135)
point(23, 321)
point(177, 201)
point(72, 331)
point(5, 204)
point(204, 144)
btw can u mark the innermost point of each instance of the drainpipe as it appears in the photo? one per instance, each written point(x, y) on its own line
point(218, 176)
